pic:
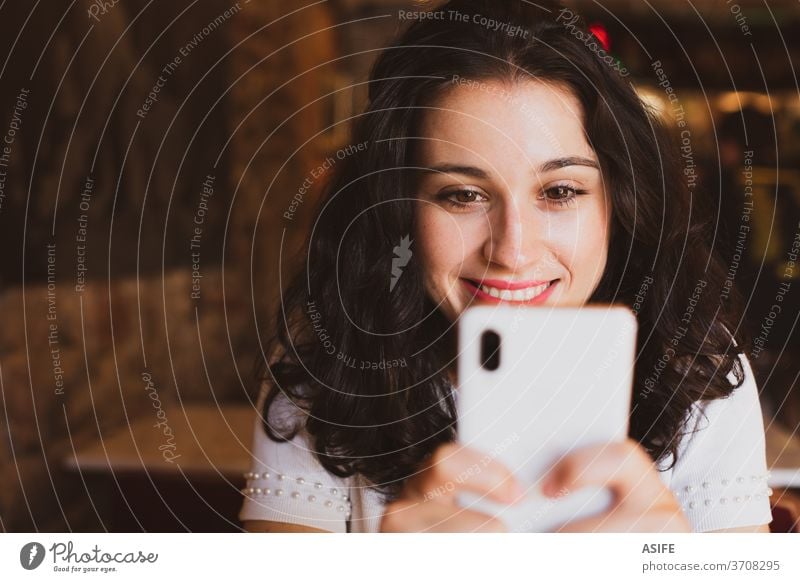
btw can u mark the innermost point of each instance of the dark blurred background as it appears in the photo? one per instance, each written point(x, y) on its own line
point(149, 151)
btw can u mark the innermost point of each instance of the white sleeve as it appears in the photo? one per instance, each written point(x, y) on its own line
point(720, 477)
point(287, 483)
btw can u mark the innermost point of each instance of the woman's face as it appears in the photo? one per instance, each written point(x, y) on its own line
point(512, 206)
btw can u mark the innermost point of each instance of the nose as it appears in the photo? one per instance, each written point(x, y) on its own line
point(515, 238)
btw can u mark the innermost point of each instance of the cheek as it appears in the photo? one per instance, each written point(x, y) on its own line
point(581, 242)
point(592, 248)
point(442, 242)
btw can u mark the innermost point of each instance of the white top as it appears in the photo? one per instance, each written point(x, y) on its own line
point(720, 478)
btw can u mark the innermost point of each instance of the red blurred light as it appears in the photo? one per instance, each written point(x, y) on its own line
point(600, 32)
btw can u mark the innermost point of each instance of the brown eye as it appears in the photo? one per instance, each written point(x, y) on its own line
point(465, 196)
point(561, 195)
point(561, 192)
point(462, 198)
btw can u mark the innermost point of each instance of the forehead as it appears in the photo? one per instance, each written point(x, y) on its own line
point(496, 122)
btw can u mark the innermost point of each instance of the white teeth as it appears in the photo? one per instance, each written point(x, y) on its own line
point(518, 295)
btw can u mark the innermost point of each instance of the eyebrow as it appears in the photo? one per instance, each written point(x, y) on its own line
point(548, 166)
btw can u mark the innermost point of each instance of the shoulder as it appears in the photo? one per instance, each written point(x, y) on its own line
point(287, 483)
point(720, 475)
point(738, 414)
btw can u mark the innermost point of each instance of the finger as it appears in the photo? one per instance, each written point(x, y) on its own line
point(622, 467)
point(454, 467)
point(658, 521)
point(413, 515)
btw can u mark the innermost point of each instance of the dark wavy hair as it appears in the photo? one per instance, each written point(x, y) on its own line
point(339, 313)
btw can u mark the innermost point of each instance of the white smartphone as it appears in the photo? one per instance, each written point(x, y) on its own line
point(535, 383)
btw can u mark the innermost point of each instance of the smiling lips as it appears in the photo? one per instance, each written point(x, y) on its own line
point(497, 290)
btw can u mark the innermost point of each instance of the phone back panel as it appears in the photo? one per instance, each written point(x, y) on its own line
point(563, 381)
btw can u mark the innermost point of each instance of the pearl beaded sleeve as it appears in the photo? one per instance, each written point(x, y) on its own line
point(720, 478)
point(286, 483)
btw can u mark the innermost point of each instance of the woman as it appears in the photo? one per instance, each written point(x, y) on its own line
point(500, 151)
